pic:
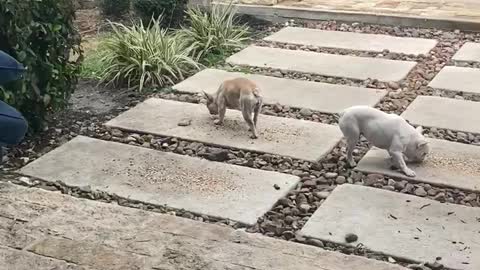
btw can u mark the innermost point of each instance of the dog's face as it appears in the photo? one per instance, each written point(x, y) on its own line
point(418, 150)
point(211, 104)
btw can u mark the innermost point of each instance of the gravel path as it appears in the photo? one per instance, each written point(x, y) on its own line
point(318, 179)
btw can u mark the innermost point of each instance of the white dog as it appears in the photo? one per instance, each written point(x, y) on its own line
point(386, 131)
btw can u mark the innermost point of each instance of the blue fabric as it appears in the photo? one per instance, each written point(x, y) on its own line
point(13, 126)
point(10, 69)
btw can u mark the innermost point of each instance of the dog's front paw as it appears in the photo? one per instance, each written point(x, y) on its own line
point(409, 173)
point(253, 136)
point(217, 122)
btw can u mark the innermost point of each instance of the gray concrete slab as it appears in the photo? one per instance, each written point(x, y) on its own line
point(470, 51)
point(281, 136)
point(323, 97)
point(110, 237)
point(353, 67)
point(457, 79)
point(448, 113)
point(13, 259)
point(198, 185)
point(352, 41)
point(449, 164)
point(400, 225)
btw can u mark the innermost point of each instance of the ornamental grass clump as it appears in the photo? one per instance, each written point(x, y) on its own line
point(142, 56)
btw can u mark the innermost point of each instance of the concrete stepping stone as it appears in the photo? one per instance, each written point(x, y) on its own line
point(277, 135)
point(470, 51)
point(13, 259)
point(457, 79)
point(95, 235)
point(449, 164)
point(198, 185)
point(352, 41)
point(323, 97)
point(400, 225)
point(353, 67)
point(440, 112)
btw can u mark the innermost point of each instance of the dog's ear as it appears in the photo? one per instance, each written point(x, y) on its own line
point(208, 96)
point(422, 143)
point(420, 129)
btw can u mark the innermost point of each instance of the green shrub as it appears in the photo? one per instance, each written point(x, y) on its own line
point(92, 65)
point(115, 8)
point(140, 56)
point(41, 35)
point(171, 10)
point(214, 32)
point(93, 51)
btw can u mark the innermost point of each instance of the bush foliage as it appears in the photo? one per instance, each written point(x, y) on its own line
point(214, 32)
point(41, 35)
point(172, 11)
point(115, 8)
point(139, 56)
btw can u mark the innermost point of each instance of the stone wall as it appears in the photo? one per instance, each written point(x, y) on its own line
point(85, 4)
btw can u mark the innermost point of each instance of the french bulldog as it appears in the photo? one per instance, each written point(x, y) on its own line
point(238, 94)
point(385, 131)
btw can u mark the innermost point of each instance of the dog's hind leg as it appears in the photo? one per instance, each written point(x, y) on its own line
point(352, 134)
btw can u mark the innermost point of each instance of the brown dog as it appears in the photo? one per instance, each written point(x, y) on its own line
point(238, 94)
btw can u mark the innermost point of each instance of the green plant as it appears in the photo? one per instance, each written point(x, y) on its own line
point(93, 50)
point(115, 8)
point(92, 65)
point(171, 10)
point(214, 32)
point(41, 35)
point(140, 56)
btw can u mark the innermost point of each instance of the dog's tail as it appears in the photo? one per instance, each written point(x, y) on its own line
point(256, 92)
point(341, 114)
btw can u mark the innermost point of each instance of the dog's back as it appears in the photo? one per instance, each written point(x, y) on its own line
point(377, 126)
point(239, 90)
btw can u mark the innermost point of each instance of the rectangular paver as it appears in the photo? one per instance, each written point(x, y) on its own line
point(448, 113)
point(470, 51)
point(400, 225)
point(352, 41)
point(457, 79)
point(12, 259)
point(198, 185)
point(353, 67)
point(100, 236)
point(281, 136)
point(323, 97)
point(448, 164)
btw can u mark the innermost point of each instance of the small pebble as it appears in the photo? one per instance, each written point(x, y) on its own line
point(277, 187)
point(350, 238)
point(185, 122)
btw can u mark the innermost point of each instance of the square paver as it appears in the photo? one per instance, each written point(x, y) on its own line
point(457, 79)
point(344, 66)
point(198, 185)
point(276, 135)
point(323, 97)
point(448, 113)
point(449, 164)
point(352, 41)
point(470, 51)
point(400, 225)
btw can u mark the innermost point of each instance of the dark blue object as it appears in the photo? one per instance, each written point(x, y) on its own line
point(10, 69)
point(13, 126)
